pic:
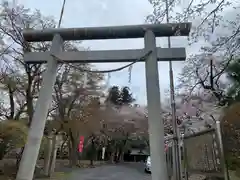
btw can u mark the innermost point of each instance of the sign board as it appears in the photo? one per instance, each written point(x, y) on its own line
point(103, 152)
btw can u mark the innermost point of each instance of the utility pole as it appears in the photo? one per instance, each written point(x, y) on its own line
point(176, 155)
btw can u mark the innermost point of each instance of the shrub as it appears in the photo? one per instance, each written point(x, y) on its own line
point(13, 134)
point(233, 163)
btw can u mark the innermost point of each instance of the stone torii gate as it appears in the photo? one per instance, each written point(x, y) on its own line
point(58, 36)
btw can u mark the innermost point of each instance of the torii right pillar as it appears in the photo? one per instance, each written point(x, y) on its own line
point(155, 120)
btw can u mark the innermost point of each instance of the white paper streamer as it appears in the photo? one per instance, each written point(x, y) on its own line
point(85, 78)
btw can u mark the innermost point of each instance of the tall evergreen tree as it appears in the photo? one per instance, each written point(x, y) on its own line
point(119, 96)
point(233, 74)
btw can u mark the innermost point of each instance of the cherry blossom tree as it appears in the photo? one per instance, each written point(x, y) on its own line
point(194, 112)
point(123, 124)
point(213, 41)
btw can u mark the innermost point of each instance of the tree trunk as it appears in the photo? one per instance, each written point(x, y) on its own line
point(116, 154)
point(121, 150)
point(120, 156)
point(19, 157)
point(3, 148)
point(112, 157)
point(29, 96)
point(91, 162)
point(93, 152)
point(62, 148)
point(73, 155)
point(47, 156)
point(12, 103)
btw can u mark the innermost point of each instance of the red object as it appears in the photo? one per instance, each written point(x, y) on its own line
point(166, 148)
point(80, 145)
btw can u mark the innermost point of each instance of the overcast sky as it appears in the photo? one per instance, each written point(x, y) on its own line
point(85, 13)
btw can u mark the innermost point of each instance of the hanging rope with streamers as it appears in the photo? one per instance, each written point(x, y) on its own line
point(85, 79)
point(108, 80)
point(130, 74)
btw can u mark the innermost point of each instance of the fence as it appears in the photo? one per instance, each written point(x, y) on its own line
point(203, 153)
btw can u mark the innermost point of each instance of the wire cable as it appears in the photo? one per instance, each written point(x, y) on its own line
point(105, 71)
point(61, 14)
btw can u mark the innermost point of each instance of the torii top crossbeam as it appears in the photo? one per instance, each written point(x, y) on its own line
point(108, 32)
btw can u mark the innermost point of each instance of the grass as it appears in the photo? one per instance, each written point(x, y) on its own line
point(65, 175)
point(233, 175)
point(2, 177)
point(9, 170)
point(56, 176)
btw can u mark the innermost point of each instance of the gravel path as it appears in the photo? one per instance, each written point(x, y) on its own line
point(110, 172)
point(127, 171)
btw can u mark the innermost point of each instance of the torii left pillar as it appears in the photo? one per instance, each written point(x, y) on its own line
point(41, 110)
